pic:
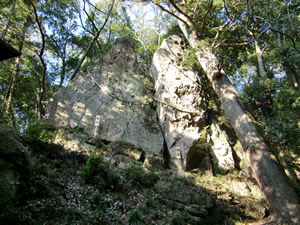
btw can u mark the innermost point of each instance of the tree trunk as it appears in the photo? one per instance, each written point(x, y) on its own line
point(12, 86)
point(260, 61)
point(291, 74)
point(15, 72)
point(282, 199)
point(41, 90)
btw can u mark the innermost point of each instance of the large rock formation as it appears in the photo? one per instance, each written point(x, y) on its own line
point(182, 112)
point(181, 107)
point(117, 93)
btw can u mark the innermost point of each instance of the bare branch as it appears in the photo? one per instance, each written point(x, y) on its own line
point(169, 12)
point(219, 31)
point(237, 44)
point(89, 2)
point(92, 42)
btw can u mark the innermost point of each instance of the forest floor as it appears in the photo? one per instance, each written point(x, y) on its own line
point(68, 187)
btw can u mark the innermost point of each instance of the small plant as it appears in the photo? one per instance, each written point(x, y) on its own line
point(96, 171)
point(136, 217)
point(38, 131)
point(139, 176)
point(80, 130)
point(178, 219)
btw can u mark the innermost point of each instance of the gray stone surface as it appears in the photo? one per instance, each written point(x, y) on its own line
point(117, 93)
point(73, 141)
point(221, 151)
point(180, 107)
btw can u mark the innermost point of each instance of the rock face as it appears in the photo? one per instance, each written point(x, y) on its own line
point(180, 107)
point(221, 151)
point(117, 93)
point(14, 158)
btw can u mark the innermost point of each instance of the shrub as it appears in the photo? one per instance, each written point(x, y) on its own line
point(135, 217)
point(178, 219)
point(38, 131)
point(139, 177)
point(96, 171)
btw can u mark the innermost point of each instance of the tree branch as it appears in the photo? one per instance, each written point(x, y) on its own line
point(294, 43)
point(236, 44)
point(89, 2)
point(186, 18)
point(169, 12)
point(40, 29)
point(92, 42)
point(204, 18)
point(219, 31)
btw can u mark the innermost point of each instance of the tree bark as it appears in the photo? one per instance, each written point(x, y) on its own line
point(292, 74)
point(13, 81)
point(282, 199)
point(260, 61)
point(12, 86)
point(41, 89)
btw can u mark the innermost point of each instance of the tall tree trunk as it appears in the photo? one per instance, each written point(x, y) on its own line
point(41, 89)
point(282, 199)
point(12, 86)
point(292, 74)
point(15, 73)
point(260, 61)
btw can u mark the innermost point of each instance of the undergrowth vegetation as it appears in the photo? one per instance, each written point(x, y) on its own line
point(68, 187)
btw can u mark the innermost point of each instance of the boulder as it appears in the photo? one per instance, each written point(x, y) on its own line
point(73, 140)
point(116, 93)
point(14, 160)
point(181, 107)
point(221, 151)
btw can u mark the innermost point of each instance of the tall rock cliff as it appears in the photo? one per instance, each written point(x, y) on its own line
point(117, 93)
point(181, 107)
point(192, 141)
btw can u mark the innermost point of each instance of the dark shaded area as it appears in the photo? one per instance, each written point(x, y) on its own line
point(57, 192)
point(7, 51)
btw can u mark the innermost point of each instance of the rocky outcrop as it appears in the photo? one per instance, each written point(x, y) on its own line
point(73, 140)
point(117, 152)
point(115, 92)
point(181, 107)
point(14, 160)
point(221, 151)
